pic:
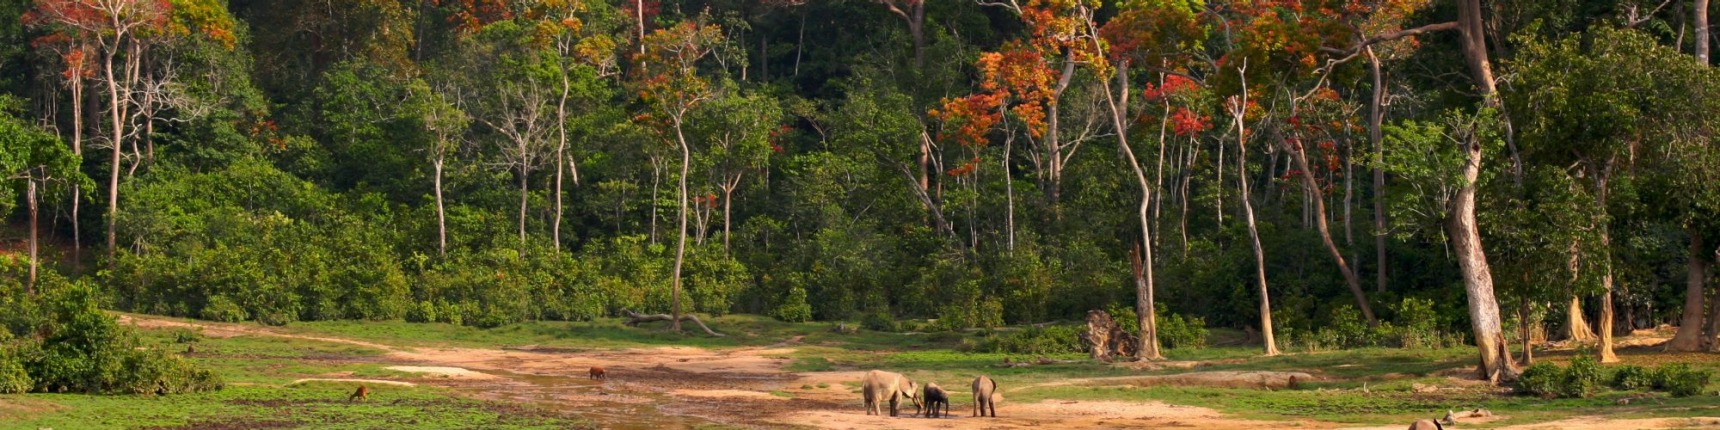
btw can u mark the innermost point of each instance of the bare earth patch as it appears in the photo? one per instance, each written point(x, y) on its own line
point(720, 394)
point(444, 371)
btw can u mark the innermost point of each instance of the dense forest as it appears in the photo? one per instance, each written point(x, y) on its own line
point(1325, 173)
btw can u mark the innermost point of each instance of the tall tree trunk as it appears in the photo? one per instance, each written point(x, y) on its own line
point(1300, 156)
point(525, 191)
point(681, 233)
point(1523, 316)
point(560, 155)
point(1270, 345)
point(1376, 117)
point(1576, 326)
point(77, 149)
point(441, 213)
point(35, 238)
point(1145, 307)
point(1053, 136)
point(656, 181)
point(1495, 359)
point(117, 112)
point(1689, 337)
point(1008, 192)
point(1701, 12)
point(1605, 352)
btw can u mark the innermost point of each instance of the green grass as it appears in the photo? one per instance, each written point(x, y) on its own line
point(311, 405)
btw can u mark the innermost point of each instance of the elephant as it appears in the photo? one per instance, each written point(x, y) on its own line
point(1426, 425)
point(934, 396)
point(984, 396)
point(879, 385)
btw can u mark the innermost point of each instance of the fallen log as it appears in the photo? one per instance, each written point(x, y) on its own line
point(634, 319)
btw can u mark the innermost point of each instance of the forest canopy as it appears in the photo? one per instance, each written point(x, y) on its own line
point(1327, 173)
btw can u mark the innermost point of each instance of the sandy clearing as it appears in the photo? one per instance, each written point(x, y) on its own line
point(452, 372)
point(719, 394)
point(682, 387)
point(1047, 413)
point(1598, 423)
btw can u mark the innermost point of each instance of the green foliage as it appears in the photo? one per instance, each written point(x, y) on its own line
point(1541, 379)
point(1681, 380)
point(1176, 331)
point(794, 307)
point(880, 321)
point(75, 346)
point(1581, 378)
point(13, 377)
point(1629, 377)
point(1035, 340)
point(219, 308)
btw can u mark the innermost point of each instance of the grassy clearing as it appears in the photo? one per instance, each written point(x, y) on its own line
point(255, 366)
point(319, 405)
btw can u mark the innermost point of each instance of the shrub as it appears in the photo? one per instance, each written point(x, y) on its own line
point(1541, 379)
point(1581, 378)
point(221, 309)
point(186, 336)
point(1179, 332)
point(1125, 317)
point(1681, 380)
point(85, 350)
point(794, 308)
point(449, 313)
point(13, 378)
point(1346, 329)
point(1632, 378)
point(1054, 339)
point(422, 312)
point(879, 321)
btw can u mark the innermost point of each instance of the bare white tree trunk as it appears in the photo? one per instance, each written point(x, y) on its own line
point(681, 241)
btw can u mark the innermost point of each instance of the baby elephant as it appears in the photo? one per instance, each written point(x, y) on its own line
point(878, 386)
point(984, 392)
point(935, 396)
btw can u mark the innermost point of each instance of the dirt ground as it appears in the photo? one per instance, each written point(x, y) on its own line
point(680, 387)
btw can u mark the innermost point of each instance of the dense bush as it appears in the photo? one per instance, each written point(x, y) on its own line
point(880, 321)
point(1581, 378)
point(74, 346)
point(1176, 331)
point(794, 307)
point(1632, 378)
point(1681, 380)
point(1053, 339)
point(1541, 379)
point(13, 378)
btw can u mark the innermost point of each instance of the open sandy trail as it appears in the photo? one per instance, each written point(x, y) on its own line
point(682, 387)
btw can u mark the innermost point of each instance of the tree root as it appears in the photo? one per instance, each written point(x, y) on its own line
point(634, 319)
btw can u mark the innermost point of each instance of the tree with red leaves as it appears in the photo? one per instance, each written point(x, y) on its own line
point(120, 31)
point(667, 79)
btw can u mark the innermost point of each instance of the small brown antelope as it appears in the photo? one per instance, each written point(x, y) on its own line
point(361, 393)
point(190, 349)
point(597, 373)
